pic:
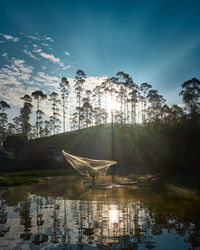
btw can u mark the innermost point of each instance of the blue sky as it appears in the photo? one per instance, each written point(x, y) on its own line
point(154, 41)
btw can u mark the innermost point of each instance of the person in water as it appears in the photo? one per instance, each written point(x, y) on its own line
point(93, 178)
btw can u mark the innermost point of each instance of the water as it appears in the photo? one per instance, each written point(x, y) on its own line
point(62, 214)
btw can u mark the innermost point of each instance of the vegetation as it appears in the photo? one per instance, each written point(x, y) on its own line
point(117, 120)
point(117, 99)
point(31, 177)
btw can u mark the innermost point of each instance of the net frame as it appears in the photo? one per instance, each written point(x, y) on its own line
point(88, 167)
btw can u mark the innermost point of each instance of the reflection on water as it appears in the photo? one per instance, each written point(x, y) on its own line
point(40, 217)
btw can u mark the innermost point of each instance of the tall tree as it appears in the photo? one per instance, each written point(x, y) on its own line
point(73, 120)
point(111, 89)
point(11, 128)
point(39, 96)
point(17, 122)
point(79, 81)
point(156, 101)
point(54, 99)
point(98, 94)
point(87, 110)
point(25, 113)
point(144, 89)
point(124, 82)
point(3, 118)
point(133, 100)
point(64, 86)
point(40, 115)
point(191, 95)
point(104, 87)
point(47, 128)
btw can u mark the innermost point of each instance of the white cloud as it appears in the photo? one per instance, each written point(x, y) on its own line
point(9, 37)
point(48, 39)
point(51, 58)
point(16, 73)
point(15, 92)
point(20, 64)
point(66, 53)
point(5, 55)
point(45, 44)
point(30, 54)
point(32, 37)
point(47, 80)
point(37, 50)
point(66, 67)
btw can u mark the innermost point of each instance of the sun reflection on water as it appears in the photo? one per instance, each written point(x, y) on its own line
point(113, 215)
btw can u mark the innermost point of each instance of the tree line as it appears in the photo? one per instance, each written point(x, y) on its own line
point(117, 99)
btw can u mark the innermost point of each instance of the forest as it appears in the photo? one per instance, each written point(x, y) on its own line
point(148, 133)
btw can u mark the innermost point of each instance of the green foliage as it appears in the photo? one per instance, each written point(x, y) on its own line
point(138, 148)
point(31, 177)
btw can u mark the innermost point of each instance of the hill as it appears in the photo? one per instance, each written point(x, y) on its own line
point(137, 149)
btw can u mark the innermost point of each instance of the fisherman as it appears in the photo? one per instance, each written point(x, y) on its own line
point(93, 178)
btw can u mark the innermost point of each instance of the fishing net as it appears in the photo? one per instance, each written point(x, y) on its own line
point(88, 167)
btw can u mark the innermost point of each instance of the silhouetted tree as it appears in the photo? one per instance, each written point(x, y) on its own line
point(40, 115)
point(54, 99)
point(64, 86)
point(156, 101)
point(191, 95)
point(25, 113)
point(144, 89)
point(79, 81)
point(38, 96)
point(17, 122)
point(47, 128)
point(3, 119)
point(133, 100)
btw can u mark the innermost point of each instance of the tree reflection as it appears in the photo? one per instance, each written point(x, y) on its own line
point(4, 228)
point(102, 223)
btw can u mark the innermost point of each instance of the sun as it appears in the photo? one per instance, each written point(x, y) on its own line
point(112, 105)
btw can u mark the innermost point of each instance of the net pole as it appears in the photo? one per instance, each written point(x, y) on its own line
point(113, 152)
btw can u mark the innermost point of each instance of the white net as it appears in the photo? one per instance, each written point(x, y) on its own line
point(88, 167)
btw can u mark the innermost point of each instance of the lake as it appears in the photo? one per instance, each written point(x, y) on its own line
point(62, 213)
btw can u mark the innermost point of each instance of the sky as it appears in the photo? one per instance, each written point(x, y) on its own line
point(41, 41)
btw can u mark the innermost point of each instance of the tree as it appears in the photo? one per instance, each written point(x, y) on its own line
point(17, 122)
point(25, 113)
point(156, 101)
point(47, 128)
point(11, 128)
point(54, 99)
point(124, 81)
point(87, 110)
point(98, 95)
point(3, 118)
point(73, 120)
point(79, 81)
point(39, 96)
point(104, 87)
point(133, 100)
point(191, 94)
point(144, 89)
point(111, 83)
point(40, 115)
point(64, 86)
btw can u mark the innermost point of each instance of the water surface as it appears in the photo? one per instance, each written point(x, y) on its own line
point(63, 214)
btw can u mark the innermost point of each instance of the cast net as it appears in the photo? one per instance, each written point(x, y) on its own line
point(88, 167)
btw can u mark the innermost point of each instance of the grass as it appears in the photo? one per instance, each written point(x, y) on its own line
point(31, 177)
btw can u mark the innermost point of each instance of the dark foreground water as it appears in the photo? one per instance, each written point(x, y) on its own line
point(61, 214)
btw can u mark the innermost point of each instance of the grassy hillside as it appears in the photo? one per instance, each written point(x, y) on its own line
point(137, 149)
